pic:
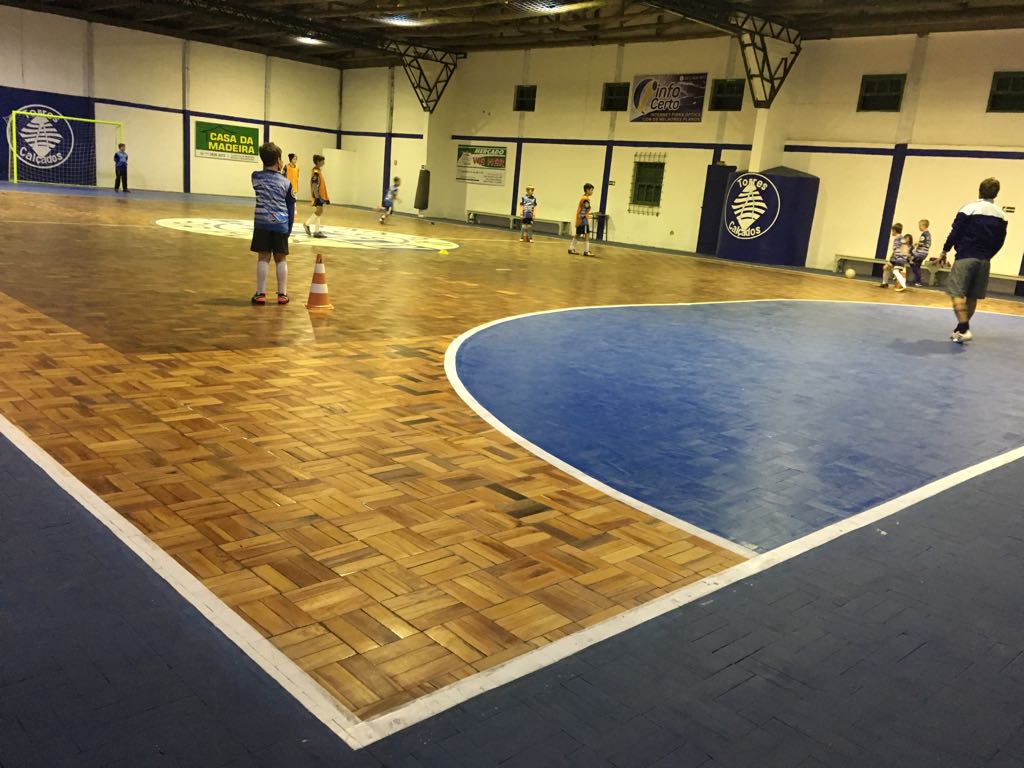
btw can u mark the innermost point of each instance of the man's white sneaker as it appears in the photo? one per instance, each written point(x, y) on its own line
point(960, 338)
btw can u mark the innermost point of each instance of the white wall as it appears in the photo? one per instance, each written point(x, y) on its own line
point(50, 53)
point(137, 67)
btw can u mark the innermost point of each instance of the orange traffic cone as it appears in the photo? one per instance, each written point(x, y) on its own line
point(318, 298)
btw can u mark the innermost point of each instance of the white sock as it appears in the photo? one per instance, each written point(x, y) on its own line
point(316, 223)
point(262, 268)
point(572, 246)
point(311, 220)
point(282, 277)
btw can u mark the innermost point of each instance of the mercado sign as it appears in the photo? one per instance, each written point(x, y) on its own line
point(481, 164)
point(227, 142)
point(668, 98)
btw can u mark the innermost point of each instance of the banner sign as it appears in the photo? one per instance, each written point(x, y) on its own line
point(227, 142)
point(668, 98)
point(481, 164)
point(49, 148)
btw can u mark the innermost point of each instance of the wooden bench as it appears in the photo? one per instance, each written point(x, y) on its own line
point(473, 217)
point(934, 269)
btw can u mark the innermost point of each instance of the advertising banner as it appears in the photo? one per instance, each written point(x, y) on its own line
point(49, 148)
point(227, 142)
point(668, 98)
point(478, 164)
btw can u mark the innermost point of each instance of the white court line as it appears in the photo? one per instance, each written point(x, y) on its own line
point(358, 734)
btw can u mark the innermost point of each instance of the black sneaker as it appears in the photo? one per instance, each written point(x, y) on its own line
point(306, 227)
point(319, 234)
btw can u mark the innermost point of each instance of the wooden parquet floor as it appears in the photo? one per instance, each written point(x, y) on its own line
point(321, 476)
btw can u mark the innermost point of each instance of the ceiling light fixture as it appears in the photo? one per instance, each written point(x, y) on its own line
point(308, 40)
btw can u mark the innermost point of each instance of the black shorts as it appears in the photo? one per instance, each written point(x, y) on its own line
point(582, 229)
point(968, 278)
point(528, 220)
point(265, 241)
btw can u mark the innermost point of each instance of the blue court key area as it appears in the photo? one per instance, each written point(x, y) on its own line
point(758, 421)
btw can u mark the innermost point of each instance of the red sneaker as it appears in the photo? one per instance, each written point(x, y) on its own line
point(282, 298)
point(259, 298)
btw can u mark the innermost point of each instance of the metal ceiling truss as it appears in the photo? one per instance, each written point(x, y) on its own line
point(753, 33)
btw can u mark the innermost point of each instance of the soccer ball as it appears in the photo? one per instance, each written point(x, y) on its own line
point(851, 273)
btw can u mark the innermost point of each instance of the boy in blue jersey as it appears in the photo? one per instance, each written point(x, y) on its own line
point(920, 252)
point(272, 223)
point(389, 198)
point(527, 209)
point(121, 168)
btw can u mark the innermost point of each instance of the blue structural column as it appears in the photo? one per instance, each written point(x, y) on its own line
point(186, 155)
point(387, 163)
point(604, 189)
point(515, 178)
point(892, 192)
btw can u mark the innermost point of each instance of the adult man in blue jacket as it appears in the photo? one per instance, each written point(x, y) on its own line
point(978, 232)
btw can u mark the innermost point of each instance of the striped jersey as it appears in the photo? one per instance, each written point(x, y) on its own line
point(529, 202)
point(897, 246)
point(978, 232)
point(924, 244)
point(392, 193)
point(275, 203)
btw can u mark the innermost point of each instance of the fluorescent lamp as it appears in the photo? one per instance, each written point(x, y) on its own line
point(309, 40)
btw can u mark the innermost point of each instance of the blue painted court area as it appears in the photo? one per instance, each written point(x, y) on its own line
point(758, 421)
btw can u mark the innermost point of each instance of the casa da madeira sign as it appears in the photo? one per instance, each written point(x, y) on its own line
point(227, 142)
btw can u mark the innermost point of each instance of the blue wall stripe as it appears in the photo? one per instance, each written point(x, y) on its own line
point(604, 142)
point(383, 134)
point(820, 150)
point(892, 191)
point(985, 154)
point(515, 176)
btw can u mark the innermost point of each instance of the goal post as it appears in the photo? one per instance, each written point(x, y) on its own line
point(50, 148)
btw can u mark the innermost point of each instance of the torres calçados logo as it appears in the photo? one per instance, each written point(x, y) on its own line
point(752, 206)
point(44, 139)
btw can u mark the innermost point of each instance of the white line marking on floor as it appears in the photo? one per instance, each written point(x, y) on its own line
point(358, 734)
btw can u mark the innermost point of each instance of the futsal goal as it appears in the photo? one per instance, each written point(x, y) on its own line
point(50, 148)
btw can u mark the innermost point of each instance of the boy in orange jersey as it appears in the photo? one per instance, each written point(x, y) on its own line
point(292, 172)
point(318, 191)
point(582, 221)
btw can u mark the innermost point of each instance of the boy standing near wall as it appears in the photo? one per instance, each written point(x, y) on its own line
point(292, 172)
point(389, 199)
point(582, 221)
point(920, 252)
point(318, 192)
point(272, 223)
point(527, 209)
point(121, 168)
point(978, 232)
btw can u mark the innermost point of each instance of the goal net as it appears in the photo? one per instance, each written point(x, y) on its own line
point(49, 148)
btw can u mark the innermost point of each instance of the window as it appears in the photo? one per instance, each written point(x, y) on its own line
point(615, 97)
point(1007, 94)
point(726, 95)
point(648, 174)
point(881, 93)
point(526, 98)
